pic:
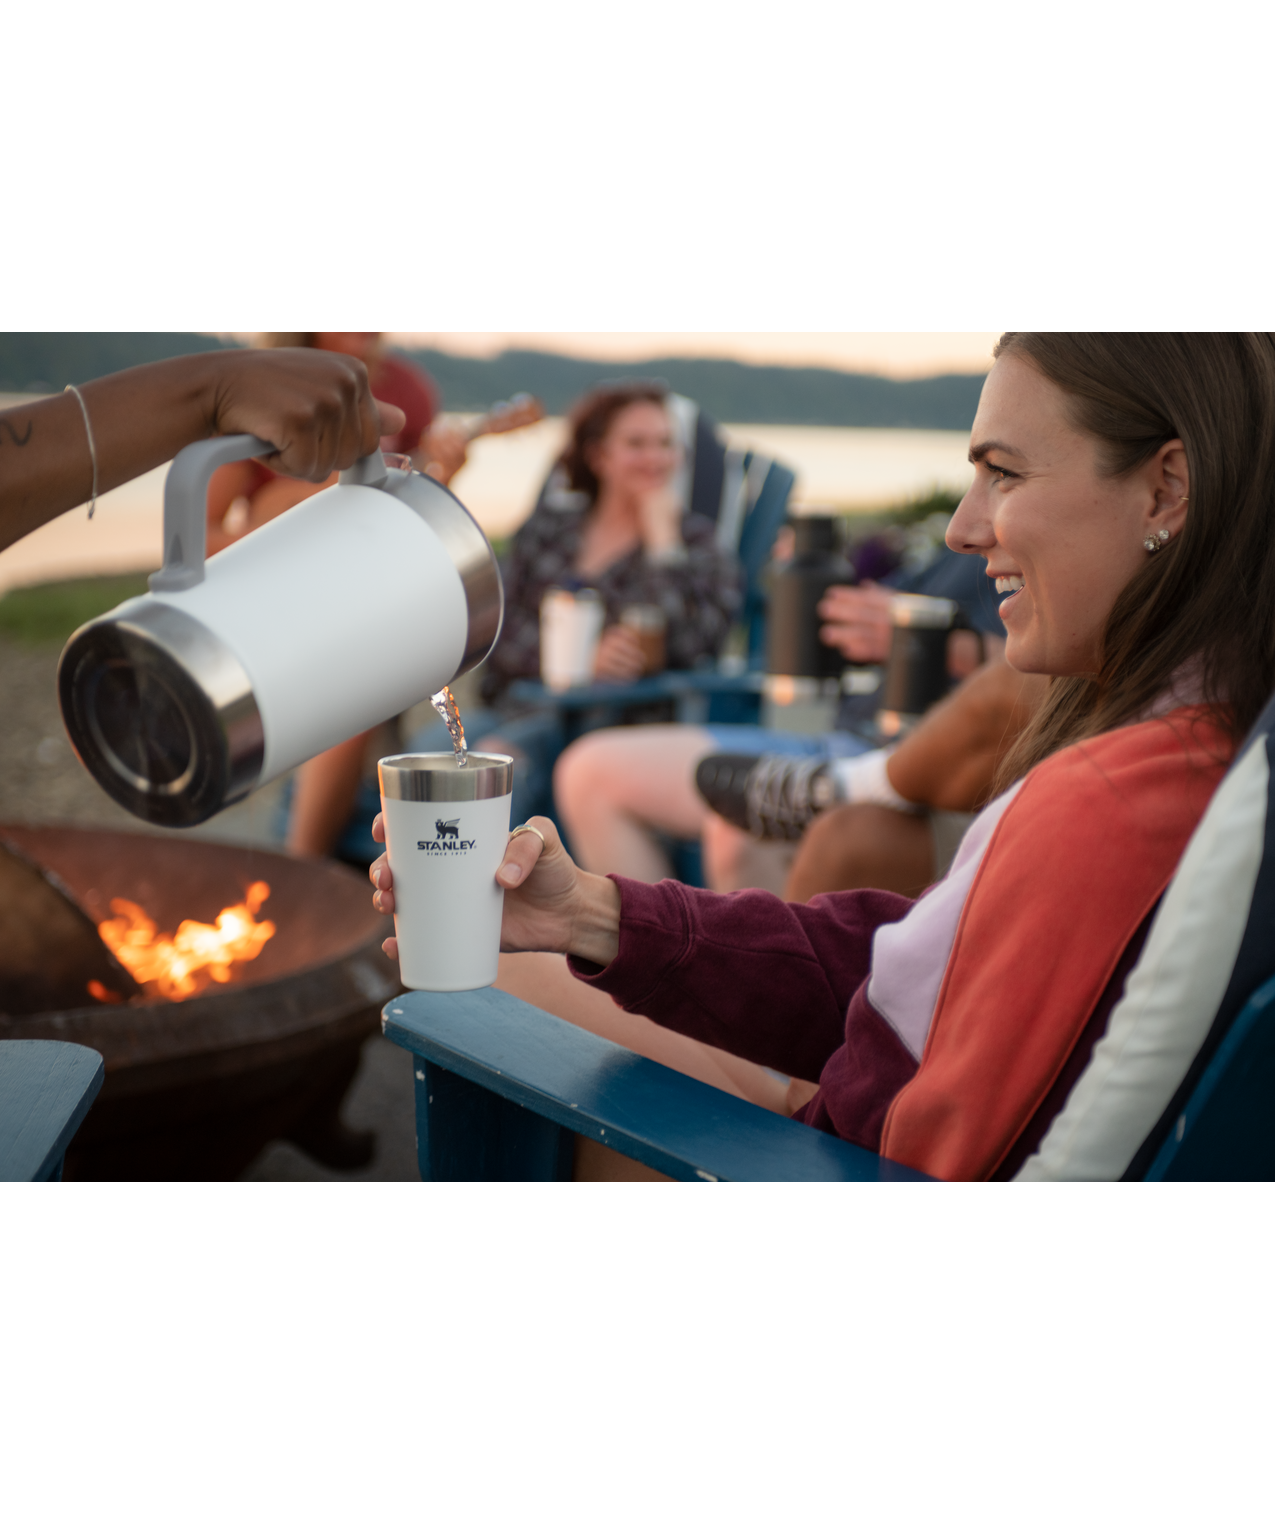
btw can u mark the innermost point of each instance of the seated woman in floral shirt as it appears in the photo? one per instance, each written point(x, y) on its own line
point(622, 532)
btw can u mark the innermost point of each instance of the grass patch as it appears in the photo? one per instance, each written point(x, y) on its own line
point(51, 612)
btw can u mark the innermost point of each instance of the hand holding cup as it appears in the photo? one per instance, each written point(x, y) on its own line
point(550, 905)
point(619, 658)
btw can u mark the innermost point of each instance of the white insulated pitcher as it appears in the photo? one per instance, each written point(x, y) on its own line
point(347, 609)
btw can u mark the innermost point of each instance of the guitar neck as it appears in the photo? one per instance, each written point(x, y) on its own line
point(513, 415)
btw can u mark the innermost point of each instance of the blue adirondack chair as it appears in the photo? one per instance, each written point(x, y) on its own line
point(1178, 1086)
point(502, 1089)
point(46, 1089)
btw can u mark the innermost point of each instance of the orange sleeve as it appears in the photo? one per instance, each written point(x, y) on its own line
point(1077, 862)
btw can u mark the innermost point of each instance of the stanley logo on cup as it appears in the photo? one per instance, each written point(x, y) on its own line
point(447, 839)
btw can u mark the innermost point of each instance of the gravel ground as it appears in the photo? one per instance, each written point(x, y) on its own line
point(380, 1100)
point(42, 783)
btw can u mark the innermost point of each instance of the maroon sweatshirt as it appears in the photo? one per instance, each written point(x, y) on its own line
point(792, 972)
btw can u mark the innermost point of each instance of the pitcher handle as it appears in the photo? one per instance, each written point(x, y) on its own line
point(186, 502)
point(186, 506)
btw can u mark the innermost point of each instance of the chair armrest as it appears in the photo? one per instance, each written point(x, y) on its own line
point(46, 1089)
point(581, 1083)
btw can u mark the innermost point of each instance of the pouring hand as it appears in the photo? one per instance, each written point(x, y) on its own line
point(315, 407)
point(550, 904)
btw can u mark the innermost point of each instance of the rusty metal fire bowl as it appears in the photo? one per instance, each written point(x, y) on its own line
point(195, 1087)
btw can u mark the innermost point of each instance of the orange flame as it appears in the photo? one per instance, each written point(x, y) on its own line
point(173, 965)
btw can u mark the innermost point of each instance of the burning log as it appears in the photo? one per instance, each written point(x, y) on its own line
point(49, 948)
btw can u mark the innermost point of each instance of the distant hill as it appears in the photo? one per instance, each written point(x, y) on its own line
point(50, 360)
point(728, 391)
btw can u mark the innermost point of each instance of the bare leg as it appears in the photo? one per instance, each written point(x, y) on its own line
point(735, 860)
point(543, 979)
point(324, 798)
point(614, 788)
point(863, 847)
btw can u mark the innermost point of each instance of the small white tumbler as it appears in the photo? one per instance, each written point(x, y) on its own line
point(570, 629)
point(445, 831)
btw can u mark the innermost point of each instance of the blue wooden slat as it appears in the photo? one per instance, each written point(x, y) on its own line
point(756, 542)
point(46, 1089)
point(574, 1079)
point(465, 1133)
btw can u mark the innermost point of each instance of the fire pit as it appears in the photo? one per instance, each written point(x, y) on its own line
point(195, 1086)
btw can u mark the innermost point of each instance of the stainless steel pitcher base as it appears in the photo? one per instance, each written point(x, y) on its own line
point(161, 713)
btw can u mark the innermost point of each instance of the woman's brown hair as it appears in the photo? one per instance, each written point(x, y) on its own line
point(590, 420)
point(1206, 603)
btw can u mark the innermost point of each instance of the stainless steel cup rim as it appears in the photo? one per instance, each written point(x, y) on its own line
point(793, 689)
point(434, 776)
point(576, 596)
point(644, 617)
point(922, 610)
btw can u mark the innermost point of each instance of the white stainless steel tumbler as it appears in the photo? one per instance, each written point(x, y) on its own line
point(570, 629)
point(445, 833)
point(353, 606)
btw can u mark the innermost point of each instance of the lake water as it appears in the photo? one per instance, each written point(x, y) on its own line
point(838, 468)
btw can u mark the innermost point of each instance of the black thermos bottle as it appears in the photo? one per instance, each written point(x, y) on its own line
point(916, 676)
point(793, 648)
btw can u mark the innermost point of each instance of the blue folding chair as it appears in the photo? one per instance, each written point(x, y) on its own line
point(1178, 1085)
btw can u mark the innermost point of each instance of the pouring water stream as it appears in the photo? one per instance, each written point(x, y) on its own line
point(445, 703)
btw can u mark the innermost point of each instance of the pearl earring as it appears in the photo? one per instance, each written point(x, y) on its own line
point(1155, 543)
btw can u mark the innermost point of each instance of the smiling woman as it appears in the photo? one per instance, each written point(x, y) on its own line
point(1127, 481)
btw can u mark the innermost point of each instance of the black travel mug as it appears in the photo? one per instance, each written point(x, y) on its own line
point(916, 676)
point(793, 648)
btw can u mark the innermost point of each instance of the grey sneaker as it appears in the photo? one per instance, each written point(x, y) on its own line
point(774, 798)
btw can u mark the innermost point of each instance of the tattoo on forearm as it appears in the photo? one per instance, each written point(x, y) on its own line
point(18, 441)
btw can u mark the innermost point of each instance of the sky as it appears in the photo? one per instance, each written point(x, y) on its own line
point(899, 355)
point(896, 354)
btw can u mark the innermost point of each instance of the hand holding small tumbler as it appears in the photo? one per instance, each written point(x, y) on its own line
point(445, 829)
point(550, 905)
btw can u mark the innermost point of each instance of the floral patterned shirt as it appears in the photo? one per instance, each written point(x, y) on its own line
point(699, 593)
